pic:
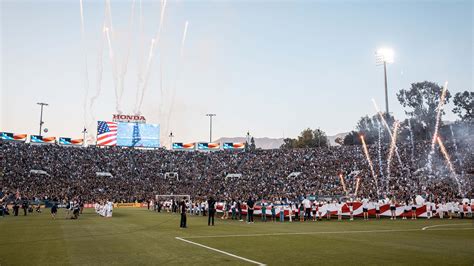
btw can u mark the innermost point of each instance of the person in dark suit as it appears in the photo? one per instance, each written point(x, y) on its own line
point(182, 209)
point(250, 206)
point(211, 203)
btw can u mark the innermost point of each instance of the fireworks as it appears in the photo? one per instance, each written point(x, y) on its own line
point(435, 134)
point(384, 122)
point(392, 146)
point(411, 141)
point(357, 186)
point(155, 41)
point(86, 72)
point(380, 149)
point(367, 156)
point(446, 155)
point(450, 164)
point(343, 183)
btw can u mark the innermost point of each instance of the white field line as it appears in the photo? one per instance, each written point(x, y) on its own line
point(439, 225)
point(220, 251)
point(331, 232)
point(185, 239)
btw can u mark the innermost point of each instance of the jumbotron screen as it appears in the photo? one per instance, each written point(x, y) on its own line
point(138, 135)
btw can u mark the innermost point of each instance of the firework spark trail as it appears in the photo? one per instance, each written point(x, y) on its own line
point(86, 72)
point(155, 41)
point(380, 149)
point(110, 32)
point(178, 73)
point(448, 161)
point(141, 54)
point(367, 156)
point(123, 71)
point(388, 129)
point(145, 83)
point(392, 146)
point(411, 141)
point(357, 186)
point(435, 133)
point(100, 56)
point(112, 60)
point(343, 183)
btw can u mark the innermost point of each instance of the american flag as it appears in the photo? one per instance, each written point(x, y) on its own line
point(106, 133)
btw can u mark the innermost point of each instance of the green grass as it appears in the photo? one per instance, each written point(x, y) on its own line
point(141, 237)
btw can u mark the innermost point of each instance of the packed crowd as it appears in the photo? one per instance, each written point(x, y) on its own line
point(62, 173)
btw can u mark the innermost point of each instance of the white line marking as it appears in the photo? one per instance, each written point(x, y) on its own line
point(220, 251)
point(438, 225)
point(331, 232)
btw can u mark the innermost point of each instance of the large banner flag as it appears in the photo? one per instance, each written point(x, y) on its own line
point(234, 146)
point(41, 139)
point(12, 136)
point(128, 134)
point(184, 146)
point(69, 141)
point(206, 146)
point(106, 133)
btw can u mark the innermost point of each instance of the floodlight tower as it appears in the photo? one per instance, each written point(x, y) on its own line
point(41, 115)
point(171, 140)
point(382, 57)
point(210, 126)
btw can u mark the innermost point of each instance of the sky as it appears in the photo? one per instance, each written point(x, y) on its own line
point(271, 68)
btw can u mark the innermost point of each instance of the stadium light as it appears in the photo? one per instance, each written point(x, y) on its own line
point(210, 126)
point(41, 116)
point(84, 132)
point(171, 140)
point(382, 57)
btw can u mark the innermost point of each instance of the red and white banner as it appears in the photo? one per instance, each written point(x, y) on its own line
point(421, 211)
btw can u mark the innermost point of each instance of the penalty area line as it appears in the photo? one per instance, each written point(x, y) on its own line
point(333, 232)
point(221, 251)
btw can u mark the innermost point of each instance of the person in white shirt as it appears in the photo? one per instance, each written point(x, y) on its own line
point(307, 209)
point(393, 209)
point(406, 209)
point(441, 210)
point(290, 210)
point(109, 208)
point(365, 209)
point(314, 208)
point(351, 210)
point(413, 209)
point(428, 210)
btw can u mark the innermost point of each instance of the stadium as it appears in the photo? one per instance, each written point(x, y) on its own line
point(131, 166)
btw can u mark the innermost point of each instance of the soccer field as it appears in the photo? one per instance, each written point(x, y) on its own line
point(142, 237)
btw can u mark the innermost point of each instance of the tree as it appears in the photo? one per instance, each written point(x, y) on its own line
point(320, 138)
point(288, 143)
point(353, 138)
point(464, 102)
point(308, 138)
point(422, 99)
